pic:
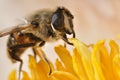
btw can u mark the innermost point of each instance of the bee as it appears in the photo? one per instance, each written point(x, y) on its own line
point(41, 27)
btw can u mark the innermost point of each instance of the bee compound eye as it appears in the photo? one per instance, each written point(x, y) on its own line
point(58, 21)
point(35, 24)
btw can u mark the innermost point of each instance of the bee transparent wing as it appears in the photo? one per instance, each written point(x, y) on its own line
point(13, 29)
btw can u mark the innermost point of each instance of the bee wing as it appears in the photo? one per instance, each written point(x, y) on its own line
point(13, 29)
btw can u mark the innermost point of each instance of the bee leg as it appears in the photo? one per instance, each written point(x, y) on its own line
point(48, 62)
point(14, 56)
point(34, 53)
point(66, 39)
point(65, 44)
point(20, 68)
point(42, 55)
point(45, 58)
point(41, 44)
point(16, 51)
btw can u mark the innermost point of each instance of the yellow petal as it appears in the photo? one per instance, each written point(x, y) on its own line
point(33, 68)
point(65, 57)
point(105, 62)
point(53, 78)
point(12, 75)
point(85, 54)
point(41, 54)
point(114, 48)
point(116, 66)
point(114, 55)
point(96, 62)
point(40, 70)
point(118, 36)
point(43, 70)
point(25, 76)
point(59, 66)
point(78, 66)
point(61, 75)
point(44, 66)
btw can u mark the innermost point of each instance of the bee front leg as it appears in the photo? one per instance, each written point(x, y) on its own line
point(66, 40)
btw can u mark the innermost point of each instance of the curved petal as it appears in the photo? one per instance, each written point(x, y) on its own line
point(61, 75)
point(59, 66)
point(85, 54)
point(33, 68)
point(96, 62)
point(105, 62)
point(78, 66)
point(116, 66)
point(114, 48)
point(25, 76)
point(12, 75)
point(65, 57)
point(40, 70)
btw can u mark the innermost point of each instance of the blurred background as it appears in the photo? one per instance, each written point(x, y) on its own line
point(93, 20)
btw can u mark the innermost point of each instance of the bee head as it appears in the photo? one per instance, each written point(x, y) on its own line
point(62, 21)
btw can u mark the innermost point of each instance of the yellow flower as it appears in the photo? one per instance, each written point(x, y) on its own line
point(96, 63)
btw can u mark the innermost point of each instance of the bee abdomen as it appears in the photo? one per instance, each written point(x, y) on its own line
point(19, 42)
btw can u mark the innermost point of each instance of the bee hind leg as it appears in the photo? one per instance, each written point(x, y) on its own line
point(15, 57)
